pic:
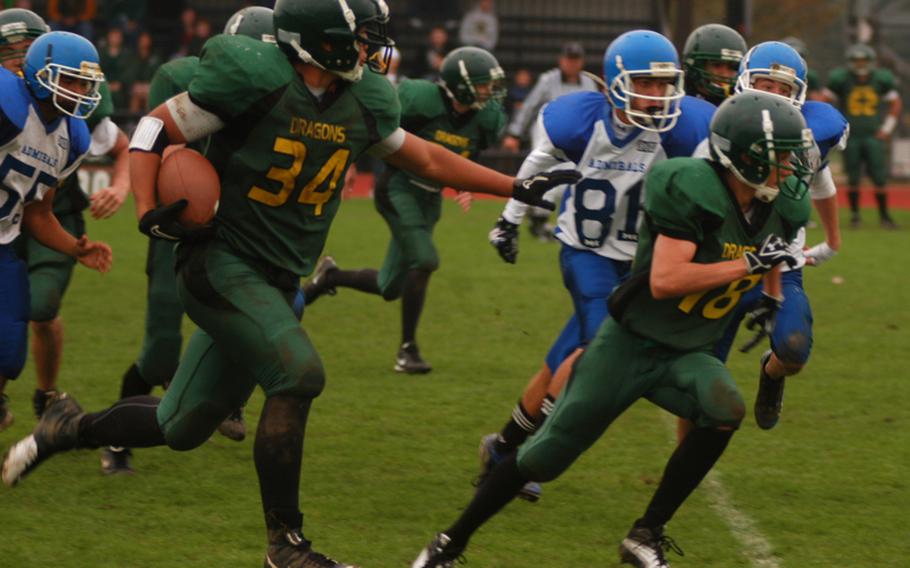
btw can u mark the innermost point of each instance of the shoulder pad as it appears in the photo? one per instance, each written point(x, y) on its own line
point(837, 77)
point(885, 78)
point(13, 105)
point(235, 72)
point(683, 196)
point(828, 125)
point(693, 126)
point(378, 97)
point(418, 96)
point(80, 138)
point(570, 119)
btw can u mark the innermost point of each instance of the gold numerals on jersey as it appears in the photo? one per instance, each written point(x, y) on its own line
point(720, 305)
point(863, 101)
point(331, 170)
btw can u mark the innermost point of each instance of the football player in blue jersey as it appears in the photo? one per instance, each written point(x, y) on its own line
point(49, 272)
point(777, 68)
point(613, 139)
point(44, 138)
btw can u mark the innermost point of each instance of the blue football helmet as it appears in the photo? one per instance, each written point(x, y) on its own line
point(644, 53)
point(63, 55)
point(777, 61)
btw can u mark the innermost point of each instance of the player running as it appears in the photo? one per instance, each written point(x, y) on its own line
point(286, 122)
point(43, 139)
point(461, 113)
point(711, 229)
point(613, 139)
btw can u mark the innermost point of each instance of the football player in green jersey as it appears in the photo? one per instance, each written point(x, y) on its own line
point(711, 57)
point(285, 123)
point(712, 228)
point(161, 343)
point(462, 113)
point(50, 271)
point(862, 89)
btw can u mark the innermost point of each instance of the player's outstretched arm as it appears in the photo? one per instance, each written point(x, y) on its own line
point(827, 213)
point(41, 223)
point(434, 162)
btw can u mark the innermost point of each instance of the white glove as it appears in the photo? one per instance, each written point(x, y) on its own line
point(820, 253)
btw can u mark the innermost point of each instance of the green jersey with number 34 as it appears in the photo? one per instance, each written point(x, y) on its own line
point(283, 151)
point(687, 199)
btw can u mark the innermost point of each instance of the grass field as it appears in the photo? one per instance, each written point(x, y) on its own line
point(389, 458)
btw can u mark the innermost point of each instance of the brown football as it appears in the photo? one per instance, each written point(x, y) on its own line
point(186, 174)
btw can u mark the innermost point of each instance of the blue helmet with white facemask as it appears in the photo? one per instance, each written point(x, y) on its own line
point(57, 55)
point(639, 54)
point(777, 61)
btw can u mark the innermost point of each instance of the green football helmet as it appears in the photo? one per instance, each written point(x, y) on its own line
point(329, 33)
point(465, 69)
point(758, 136)
point(861, 59)
point(16, 25)
point(712, 42)
point(256, 22)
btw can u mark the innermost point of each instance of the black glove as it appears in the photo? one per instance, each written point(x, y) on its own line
point(761, 320)
point(504, 238)
point(773, 251)
point(530, 190)
point(161, 222)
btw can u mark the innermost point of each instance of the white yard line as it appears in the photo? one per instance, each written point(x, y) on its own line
point(755, 546)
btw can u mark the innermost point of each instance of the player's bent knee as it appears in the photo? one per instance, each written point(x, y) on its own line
point(794, 352)
point(192, 428)
point(725, 408)
point(45, 303)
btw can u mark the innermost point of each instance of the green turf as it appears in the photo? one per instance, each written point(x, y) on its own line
point(389, 458)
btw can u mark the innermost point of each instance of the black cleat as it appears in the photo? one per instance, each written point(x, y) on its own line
point(6, 415)
point(888, 224)
point(289, 549)
point(56, 431)
point(409, 361)
point(770, 398)
point(439, 554)
point(855, 221)
point(40, 400)
point(233, 427)
point(116, 460)
point(644, 548)
point(318, 282)
point(489, 457)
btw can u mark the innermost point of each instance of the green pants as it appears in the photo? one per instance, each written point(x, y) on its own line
point(871, 151)
point(411, 213)
point(49, 271)
point(248, 336)
point(164, 313)
point(617, 369)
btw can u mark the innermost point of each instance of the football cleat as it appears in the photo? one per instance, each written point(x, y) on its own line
point(888, 223)
point(770, 398)
point(318, 283)
point(6, 416)
point(289, 549)
point(489, 457)
point(56, 431)
point(40, 399)
point(439, 554)
point(409, 360)
point(855, 221)
point(116, 460)
point(644, 548)
point(233, 427)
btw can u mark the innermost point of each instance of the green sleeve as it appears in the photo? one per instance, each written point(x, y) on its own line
point(885, 80)
point(419, 104)
point(837, 81)
point(379, 104)
point(674, 200)
point(104, 109)
point(171, 79)
point(794, 212)
point(235, 72)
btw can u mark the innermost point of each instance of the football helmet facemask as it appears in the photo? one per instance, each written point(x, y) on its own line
point(57, 56)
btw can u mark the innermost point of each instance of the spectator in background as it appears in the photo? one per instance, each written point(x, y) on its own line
point(437, 48)
point(480, 26)
point(126, 15)
point(522, 82)
point(186, 34)
point(143, 67)
point(72, 16)
point(567, 78)
point(115, 60)
point(203, 31)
